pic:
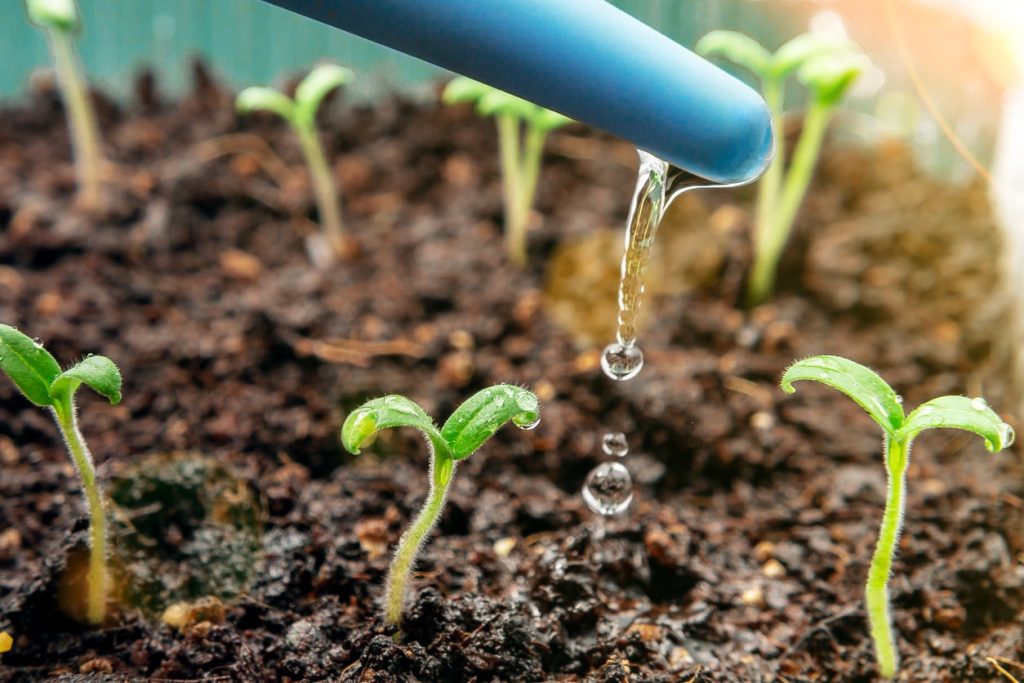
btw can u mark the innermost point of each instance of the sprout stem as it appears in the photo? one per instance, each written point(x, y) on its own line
point(328, 204)
point(877, 593)
point(515, 220)
point(442, 470)
point(81, 119)
point(64, 412)
point(774, 233)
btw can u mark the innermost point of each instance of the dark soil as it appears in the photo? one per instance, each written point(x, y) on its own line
point(744, 554)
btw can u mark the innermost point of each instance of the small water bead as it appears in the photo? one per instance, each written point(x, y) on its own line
point(608, 489)
point(1007, 435)
point(899, 399)
point(621, 362)
point(614, 443)
point(979, 403)
point(499, 401)
point(529, 424)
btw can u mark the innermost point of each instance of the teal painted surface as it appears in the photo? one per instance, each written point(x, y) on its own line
point(249, 41)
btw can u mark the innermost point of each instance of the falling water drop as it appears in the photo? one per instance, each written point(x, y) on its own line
point(979, 403)
point(614, 443)
point(621, 362)
point(608, 489)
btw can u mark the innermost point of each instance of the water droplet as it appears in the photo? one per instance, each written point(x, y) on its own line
point(37, 342)
point(529, 424)
point(899, 399)
point(614, 443)
point(527, 402)
point(499, 401)
point(621, 362)
point(1007, 435)
point(608, 489)
point(979, 403)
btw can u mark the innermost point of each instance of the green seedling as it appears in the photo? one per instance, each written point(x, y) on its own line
point(300, 113)
point(886, 408)
point(60, 20)
point(522, 129)
point(827, 68)
point(472, 424)
point(38, 376)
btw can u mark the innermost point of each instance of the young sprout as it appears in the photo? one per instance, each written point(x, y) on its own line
point(885, 407)
point(60, 20)
point(521, 153)
point(38, 376)
point(300, 113)
point(827, 68)
point(472, 423)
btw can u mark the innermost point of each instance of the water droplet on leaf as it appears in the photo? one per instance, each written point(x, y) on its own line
point(1007, 435)
point(608, 489)
point(529, 424)
point(899, 399)
point(621, 362)
point(979, 403)
point(614, 443)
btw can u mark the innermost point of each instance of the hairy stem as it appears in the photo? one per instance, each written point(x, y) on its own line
point(85, 137)
point(64, 412)
point(877, 592)
point(533, 156)
point(780, 220)
point(768, 194)
point(442, 469)
point(511, 173)
point(327, 202)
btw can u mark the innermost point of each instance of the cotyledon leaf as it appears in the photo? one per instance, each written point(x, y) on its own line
point(484, 413)
point(960, 412)
point(385, 413)
point(97, 372)
point(28, 364)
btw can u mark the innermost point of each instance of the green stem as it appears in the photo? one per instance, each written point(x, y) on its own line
point(85, 137)
point(533, 157)
point(897, 457)
point(780, 222)
point(64, 412)
point(768, 187)
point(515, 222)
point(327, 202)
point(442, 469)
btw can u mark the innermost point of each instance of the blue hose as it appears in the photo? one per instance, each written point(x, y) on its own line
point(585, 59)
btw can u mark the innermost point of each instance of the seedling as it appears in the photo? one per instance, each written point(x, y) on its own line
point(886, 408)
point(60, 20)
point(300, 113)
point(521, 151)
point(472, 423)
point(38, 376)
point(827, 68)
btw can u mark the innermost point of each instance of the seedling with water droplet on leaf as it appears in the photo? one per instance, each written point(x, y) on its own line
point(827, 68)
point(300, 113)
point(60, 21)
point(38, 376)
point(885, 407)
point(521, 153)
point(472, 424)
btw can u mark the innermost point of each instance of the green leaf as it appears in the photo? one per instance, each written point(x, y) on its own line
point(97, 372)
point(462, 89)
point(830, 77)
point(265, 99)
point(861, 384)
point(736, 47)
point(547, 120)
point(384, 413)
point(28, 364)
point(311, 91)
point(61, 15)
point(486, 411)
point(500, 103)
point(804, 49)
point(960, 412)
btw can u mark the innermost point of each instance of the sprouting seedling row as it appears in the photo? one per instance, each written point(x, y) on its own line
point(60, 20)
point(468, 428)
point(827, 68)
point(300, 113)
point(885, 407)
point(39, 377)
point(523, 128)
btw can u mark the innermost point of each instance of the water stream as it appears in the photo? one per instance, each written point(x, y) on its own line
point(608, 489)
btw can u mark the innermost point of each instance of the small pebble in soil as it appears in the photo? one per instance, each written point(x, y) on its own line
point(621, 362)
point(608, 489)
point(614, 443)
